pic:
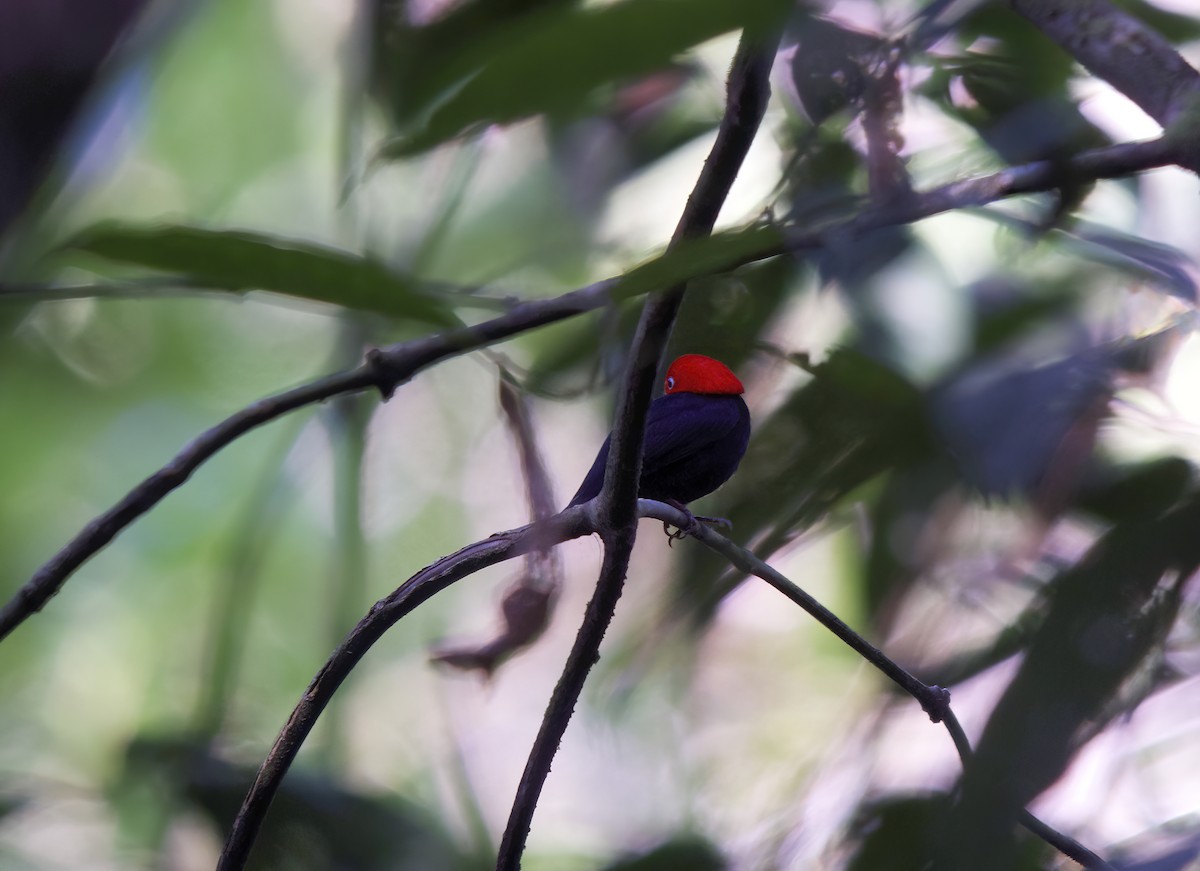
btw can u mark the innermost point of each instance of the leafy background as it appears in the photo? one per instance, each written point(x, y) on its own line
point(256, 191)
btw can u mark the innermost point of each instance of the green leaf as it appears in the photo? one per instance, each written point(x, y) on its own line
point(684, 852)
point(572, 350)
point(553, 60)
point(236, 260)
point(694, 258)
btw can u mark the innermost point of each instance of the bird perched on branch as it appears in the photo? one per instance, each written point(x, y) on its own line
point(696, 434)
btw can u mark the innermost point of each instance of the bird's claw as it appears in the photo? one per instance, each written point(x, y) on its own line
point(694, 521)
point(673, 537)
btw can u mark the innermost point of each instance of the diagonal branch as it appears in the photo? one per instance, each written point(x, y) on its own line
point(383, 370)
point(934, 700)
point(572, 523)
point(748, 90)
point(389, 367)
point(528, 603)
point(1115, 46)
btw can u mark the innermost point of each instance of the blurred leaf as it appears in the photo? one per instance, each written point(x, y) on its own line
point(577, 345)
point(1163, 265)
point(1013, 91)
point(1006, 308)
point(552, 60)
point(852, 262)
point(821, 176)
point(315, 823)
point(416, 55)
point(1108, 614)
point(1171, 847)
point(724, 317)
point(642, 122)
point(855, 420)
point(900, 549)
point(237, 260)
point(1112, 494)
point(695, 258)
point(1033, 59)
point(1123, 494)
point(683, 853)
point(1021, 430)
point(10, 803)
point(828, 65)
point(1017, 431)
point(895, 834)
point(902, 834)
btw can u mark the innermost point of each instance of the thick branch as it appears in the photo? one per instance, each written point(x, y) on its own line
point(746, 100)
point(1117, 47)
point(418, 589)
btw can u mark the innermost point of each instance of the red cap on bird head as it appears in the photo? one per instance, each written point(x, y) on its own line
point(695, 373)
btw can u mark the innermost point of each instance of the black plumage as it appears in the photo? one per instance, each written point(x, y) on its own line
point(694, 442)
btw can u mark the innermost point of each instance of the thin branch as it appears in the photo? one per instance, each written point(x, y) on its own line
point(748, 90)
point(572, 523)
point(529, 602)
point(1115, 46)
point(51, 576)
point(1043, 175)
point(934, 700)
point(383, 370)
point(388, 368)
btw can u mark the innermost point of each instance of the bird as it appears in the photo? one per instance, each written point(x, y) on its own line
point(696, 435)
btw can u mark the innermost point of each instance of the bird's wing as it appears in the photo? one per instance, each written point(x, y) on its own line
point(677, 426)
point(684, 424)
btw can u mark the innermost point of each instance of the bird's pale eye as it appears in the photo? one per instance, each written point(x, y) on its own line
point(670, 384)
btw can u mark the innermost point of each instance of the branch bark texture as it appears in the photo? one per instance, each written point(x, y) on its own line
point(1115, 46)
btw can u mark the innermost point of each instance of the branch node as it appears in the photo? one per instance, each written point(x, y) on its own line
point(935, 701)
point(385, 375)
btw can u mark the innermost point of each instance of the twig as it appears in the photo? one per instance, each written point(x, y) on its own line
point(529, 602)
point(934, 700)
point(1043, 175)
point(383, 370)
point(418, 589)
point(389, 367)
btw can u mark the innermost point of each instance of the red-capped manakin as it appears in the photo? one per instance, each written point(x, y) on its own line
point(696, 434)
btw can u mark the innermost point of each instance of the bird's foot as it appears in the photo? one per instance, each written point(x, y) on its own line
point(723, 522)
point(693, 524)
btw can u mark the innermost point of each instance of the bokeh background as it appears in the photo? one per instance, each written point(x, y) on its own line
point(941, 410)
